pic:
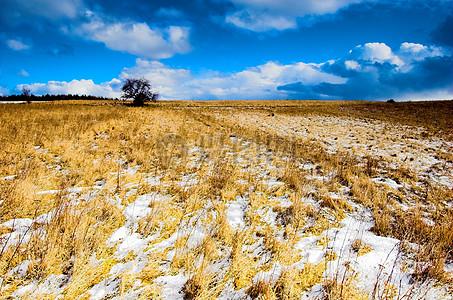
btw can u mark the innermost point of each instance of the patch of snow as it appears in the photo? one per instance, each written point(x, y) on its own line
point(48, 192)
point(21, 233)
point(311, 252)
point(54, 284)
point(382, 265)
point(188, 180)
point(448, 268)
point(140, 207)
point(21, 269)
point(134, 267)
point(161, 246)
point(119, 235)
point(307, 166)
point(41, 149)
point(19, 223)
point(284, 200)
point(270, 276)
point(229, 293)
point(13, 102)
point(9, 178)
point(116, 201)
point(235, 213)
point(388, 182)
point(44, 218)
point(99, 184)
point(127, 237)
point(25, 290)
point(446, 181)
point(130, 193)
point(309, 200)
point(273, 183)
point(104, 289)
point(172, 286)
point(428, 221)
point(133, 170)
point(315, 292)
point(153, 180)
point(134, 242)
point(196, 237)
point(75, 190)
point(268, 215)
point(22, 229)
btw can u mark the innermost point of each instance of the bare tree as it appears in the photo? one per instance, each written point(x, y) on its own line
point(26, 93)
point(139, 90)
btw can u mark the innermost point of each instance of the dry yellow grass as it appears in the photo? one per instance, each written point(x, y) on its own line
point(101, 200)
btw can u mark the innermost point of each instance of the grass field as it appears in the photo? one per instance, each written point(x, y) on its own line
point(226, 200)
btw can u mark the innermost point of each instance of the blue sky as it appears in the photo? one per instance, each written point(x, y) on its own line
point(230, 49)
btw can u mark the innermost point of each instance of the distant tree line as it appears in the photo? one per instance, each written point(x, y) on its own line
point(47, 97)
point(138, 90)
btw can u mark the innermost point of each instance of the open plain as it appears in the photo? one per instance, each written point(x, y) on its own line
point(226, 200)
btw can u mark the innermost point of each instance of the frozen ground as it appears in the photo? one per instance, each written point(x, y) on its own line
point(394, 144)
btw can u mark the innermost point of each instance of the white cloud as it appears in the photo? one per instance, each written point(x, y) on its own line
point(3, 91)
point(296, 7)
point(352, 65)
point(413, 51)
point(23, 73)
point(17, 45)
point(50, 9)
point(403, 58)
point(260, 21)
point(376, 52)
point(171, 83)
point(81, 87)
point(263, 15)
point(138, 38)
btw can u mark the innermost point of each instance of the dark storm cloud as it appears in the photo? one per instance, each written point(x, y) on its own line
point(379, 80)
point(443, 34)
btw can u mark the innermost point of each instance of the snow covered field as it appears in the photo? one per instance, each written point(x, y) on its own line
point(214, 203)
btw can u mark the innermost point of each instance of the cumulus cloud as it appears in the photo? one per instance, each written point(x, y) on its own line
point(352, 65)
point(138, 38)
point(413, 51)
point(263, 15)
point(17, 45)
point(376, 52)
